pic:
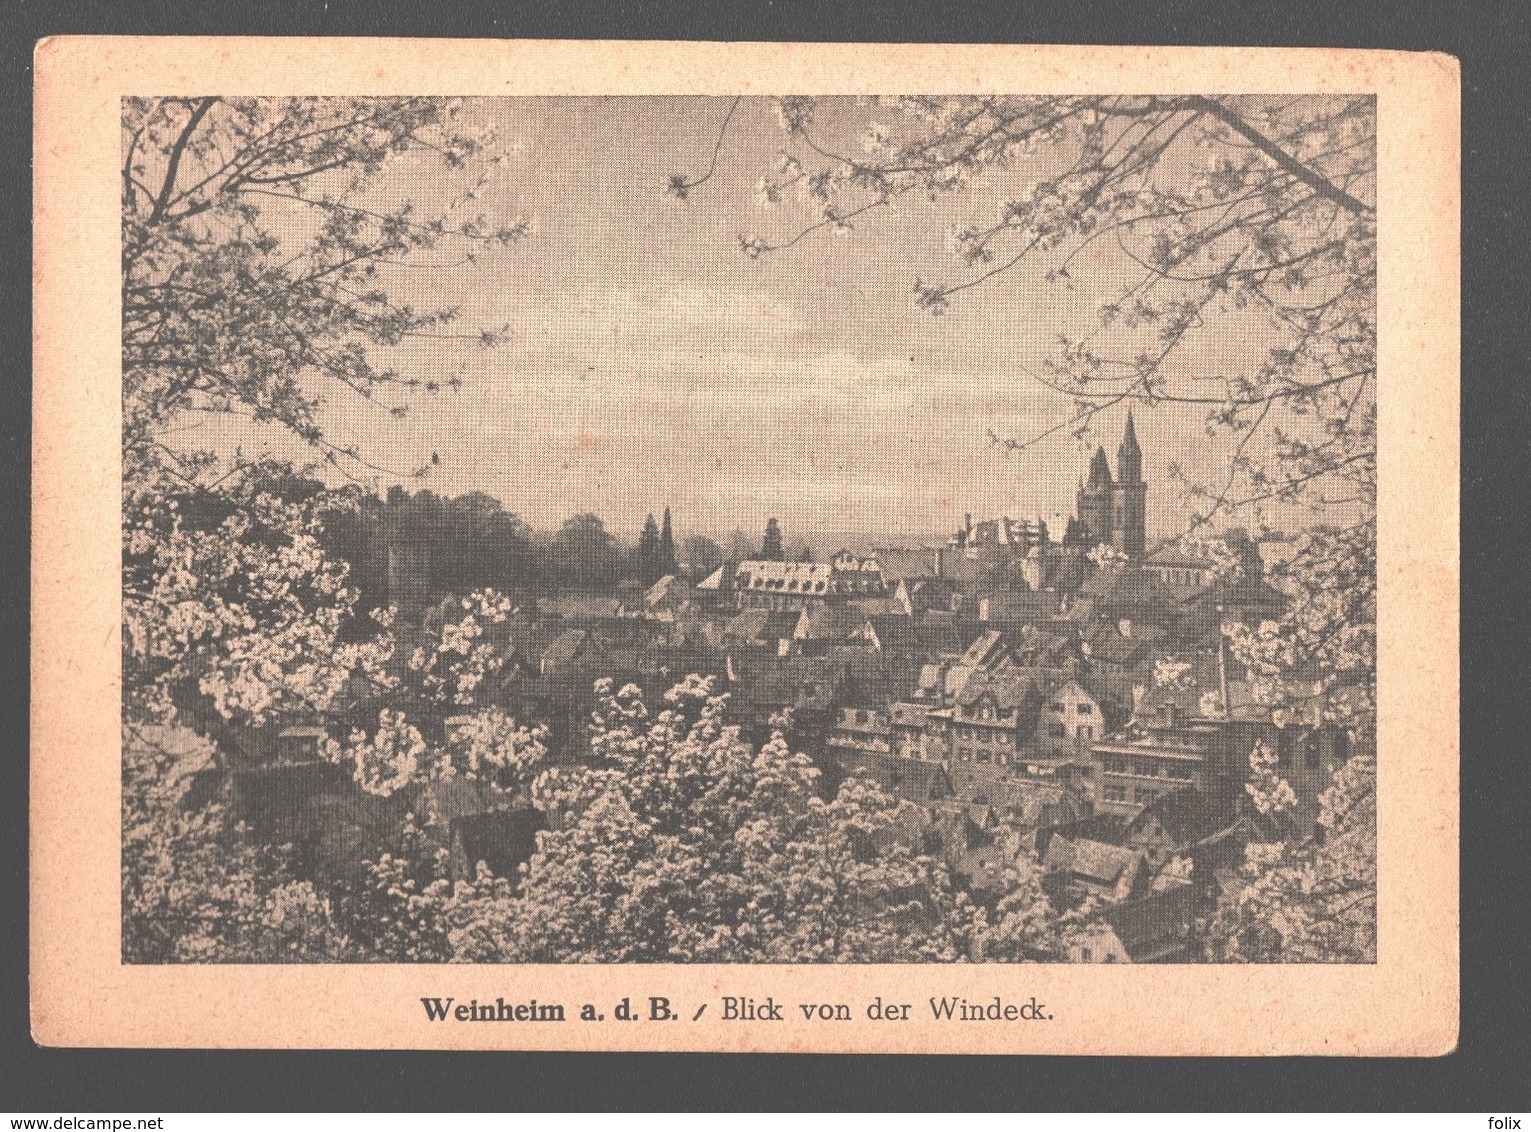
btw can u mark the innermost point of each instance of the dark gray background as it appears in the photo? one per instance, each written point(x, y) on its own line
point(1487, 1071)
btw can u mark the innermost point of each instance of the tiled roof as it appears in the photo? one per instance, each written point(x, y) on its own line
point(565, 648)
point(1201, 681)
point(826, 623)
point(811, 578)
point(907, 715)
point(983, 649)
point(1187, 816)
point(805, 682)
point(716, 582)
point(1113, 648)
point(1094, 860)
point(1010, 690)
point(1011, 797)
point(1125, 587)
point(1022, 607)
point(666, 588)
point(579, 607)
point(894, 632)
point(897, 563)
point(746, 626)
point(759, 625)
point(863, 607)
point(779, 625)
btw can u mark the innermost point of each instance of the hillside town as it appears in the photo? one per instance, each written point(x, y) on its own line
point(532, 555)
point(1063, 698)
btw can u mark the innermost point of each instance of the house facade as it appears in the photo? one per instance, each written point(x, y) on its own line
point(1069, 721)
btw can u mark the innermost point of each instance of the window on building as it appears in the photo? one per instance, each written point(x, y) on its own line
point(1003, 738)
point(861, 717)
point(1109, 958)
point(1310, 760)
point(1087, 732)
point(1058, 731)
point(1341, 746)
point(1084, 709)
point(1054, 707)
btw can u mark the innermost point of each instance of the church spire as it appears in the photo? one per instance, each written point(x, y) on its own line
point(1129, 457)
point(1100, 472)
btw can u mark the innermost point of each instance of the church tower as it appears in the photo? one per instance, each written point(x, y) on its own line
point(1129, 512)
point(1094, 500)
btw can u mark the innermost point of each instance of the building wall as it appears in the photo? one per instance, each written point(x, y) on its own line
point(1181, 575)
point(982, 732)
point(1095, 514)
point(1070, 721)
point(1129, 776)
point(1213, 756)
point(1101, 946)
point(1129, 524)
point(984, 741)
point(862, 729)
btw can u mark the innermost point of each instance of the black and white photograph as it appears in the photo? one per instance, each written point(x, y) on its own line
point(750, 529)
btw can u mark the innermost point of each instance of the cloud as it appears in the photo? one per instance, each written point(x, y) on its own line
point(676, 312)
point(693, 347)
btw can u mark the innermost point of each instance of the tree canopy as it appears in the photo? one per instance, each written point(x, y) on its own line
point(257, 243)
point(256, 251)
point(258, 240)
point(683, 843)
point(1229, 246)
point(1185, 215)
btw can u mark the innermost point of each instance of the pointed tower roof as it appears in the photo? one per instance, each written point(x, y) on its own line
point(1100, 472)
point(1129, 457)
point(1130, 437)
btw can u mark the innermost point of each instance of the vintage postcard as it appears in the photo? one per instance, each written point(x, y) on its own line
point(658, 546)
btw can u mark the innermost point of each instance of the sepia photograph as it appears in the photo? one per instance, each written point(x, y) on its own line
point(749, 530)
point(667, 551)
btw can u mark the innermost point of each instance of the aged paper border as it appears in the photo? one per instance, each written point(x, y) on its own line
point(82, 995)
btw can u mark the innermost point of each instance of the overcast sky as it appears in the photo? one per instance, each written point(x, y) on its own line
point(652, 363)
